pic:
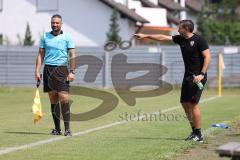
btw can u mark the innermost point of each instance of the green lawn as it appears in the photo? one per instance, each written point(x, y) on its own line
point(142, 140)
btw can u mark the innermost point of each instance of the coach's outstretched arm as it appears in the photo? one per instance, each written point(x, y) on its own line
point(39, 61)
point(156, 37)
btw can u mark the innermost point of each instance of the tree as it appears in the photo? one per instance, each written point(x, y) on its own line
point(222, 25)
point(113, 33)
point(28, 37)
point(20, 40)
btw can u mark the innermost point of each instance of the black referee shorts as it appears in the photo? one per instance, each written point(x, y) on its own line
point(190, 91)
point(55, 78)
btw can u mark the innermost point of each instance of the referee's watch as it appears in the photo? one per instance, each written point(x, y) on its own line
point(72, 71)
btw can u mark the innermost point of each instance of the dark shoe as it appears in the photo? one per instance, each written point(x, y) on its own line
point(67, 133)
point(190, 137)
point(198, 138)
point(56, 132)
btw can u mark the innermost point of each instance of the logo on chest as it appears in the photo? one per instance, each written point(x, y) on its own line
point(191, 43)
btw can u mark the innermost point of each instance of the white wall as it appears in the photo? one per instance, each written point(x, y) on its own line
point(154, 1)
point(122, 1)
point(86, 20)
point(156, 16)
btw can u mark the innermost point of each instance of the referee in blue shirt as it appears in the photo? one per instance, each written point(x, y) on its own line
point(57, 52)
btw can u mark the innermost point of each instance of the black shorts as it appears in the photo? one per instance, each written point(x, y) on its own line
point(190, 91)
point(55, 78)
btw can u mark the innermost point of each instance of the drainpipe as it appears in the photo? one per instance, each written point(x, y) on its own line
point(183, 14)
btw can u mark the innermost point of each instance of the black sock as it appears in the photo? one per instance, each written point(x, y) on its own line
point(193, 128)
point(65, 107)
point(198, 132)
point(55, 109)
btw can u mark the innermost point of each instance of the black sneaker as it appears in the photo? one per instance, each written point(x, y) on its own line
point(56, 132)
point(190, 137)
point(198, 138)
point(67, 133)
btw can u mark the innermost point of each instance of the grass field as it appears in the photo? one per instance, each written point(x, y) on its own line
point(142, 139)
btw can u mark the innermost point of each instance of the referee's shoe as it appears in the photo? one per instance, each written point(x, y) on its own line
point(56, 132)
point(67, 132)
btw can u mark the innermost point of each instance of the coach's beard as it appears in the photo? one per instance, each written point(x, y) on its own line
point(183, 35)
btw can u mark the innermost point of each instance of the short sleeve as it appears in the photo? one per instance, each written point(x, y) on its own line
point(177, 39)
point(70, 43)
point(42, 42)
point(202, 45)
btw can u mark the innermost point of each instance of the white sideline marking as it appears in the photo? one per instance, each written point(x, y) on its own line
point(30, 145)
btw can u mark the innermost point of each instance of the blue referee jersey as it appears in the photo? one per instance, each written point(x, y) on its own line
point(56, 48)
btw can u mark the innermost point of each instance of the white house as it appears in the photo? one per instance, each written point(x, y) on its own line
point(173, 10)
point(155, 16)
point(86, 20)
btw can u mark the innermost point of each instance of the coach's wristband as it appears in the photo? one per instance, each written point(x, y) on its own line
point(72, 71)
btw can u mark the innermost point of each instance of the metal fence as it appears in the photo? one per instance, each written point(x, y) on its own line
point(17, 65)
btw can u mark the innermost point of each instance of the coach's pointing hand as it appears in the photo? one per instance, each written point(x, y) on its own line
point(140, 36)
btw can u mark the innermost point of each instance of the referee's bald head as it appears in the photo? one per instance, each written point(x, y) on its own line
point(56, 16)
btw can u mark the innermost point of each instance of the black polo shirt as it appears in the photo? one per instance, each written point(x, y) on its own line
point(191, 52)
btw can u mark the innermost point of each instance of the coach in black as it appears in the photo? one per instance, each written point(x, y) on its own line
point(196, 57)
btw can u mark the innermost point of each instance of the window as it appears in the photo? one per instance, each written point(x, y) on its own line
point(47, 5)
point(215, 1)
point(1, 5)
